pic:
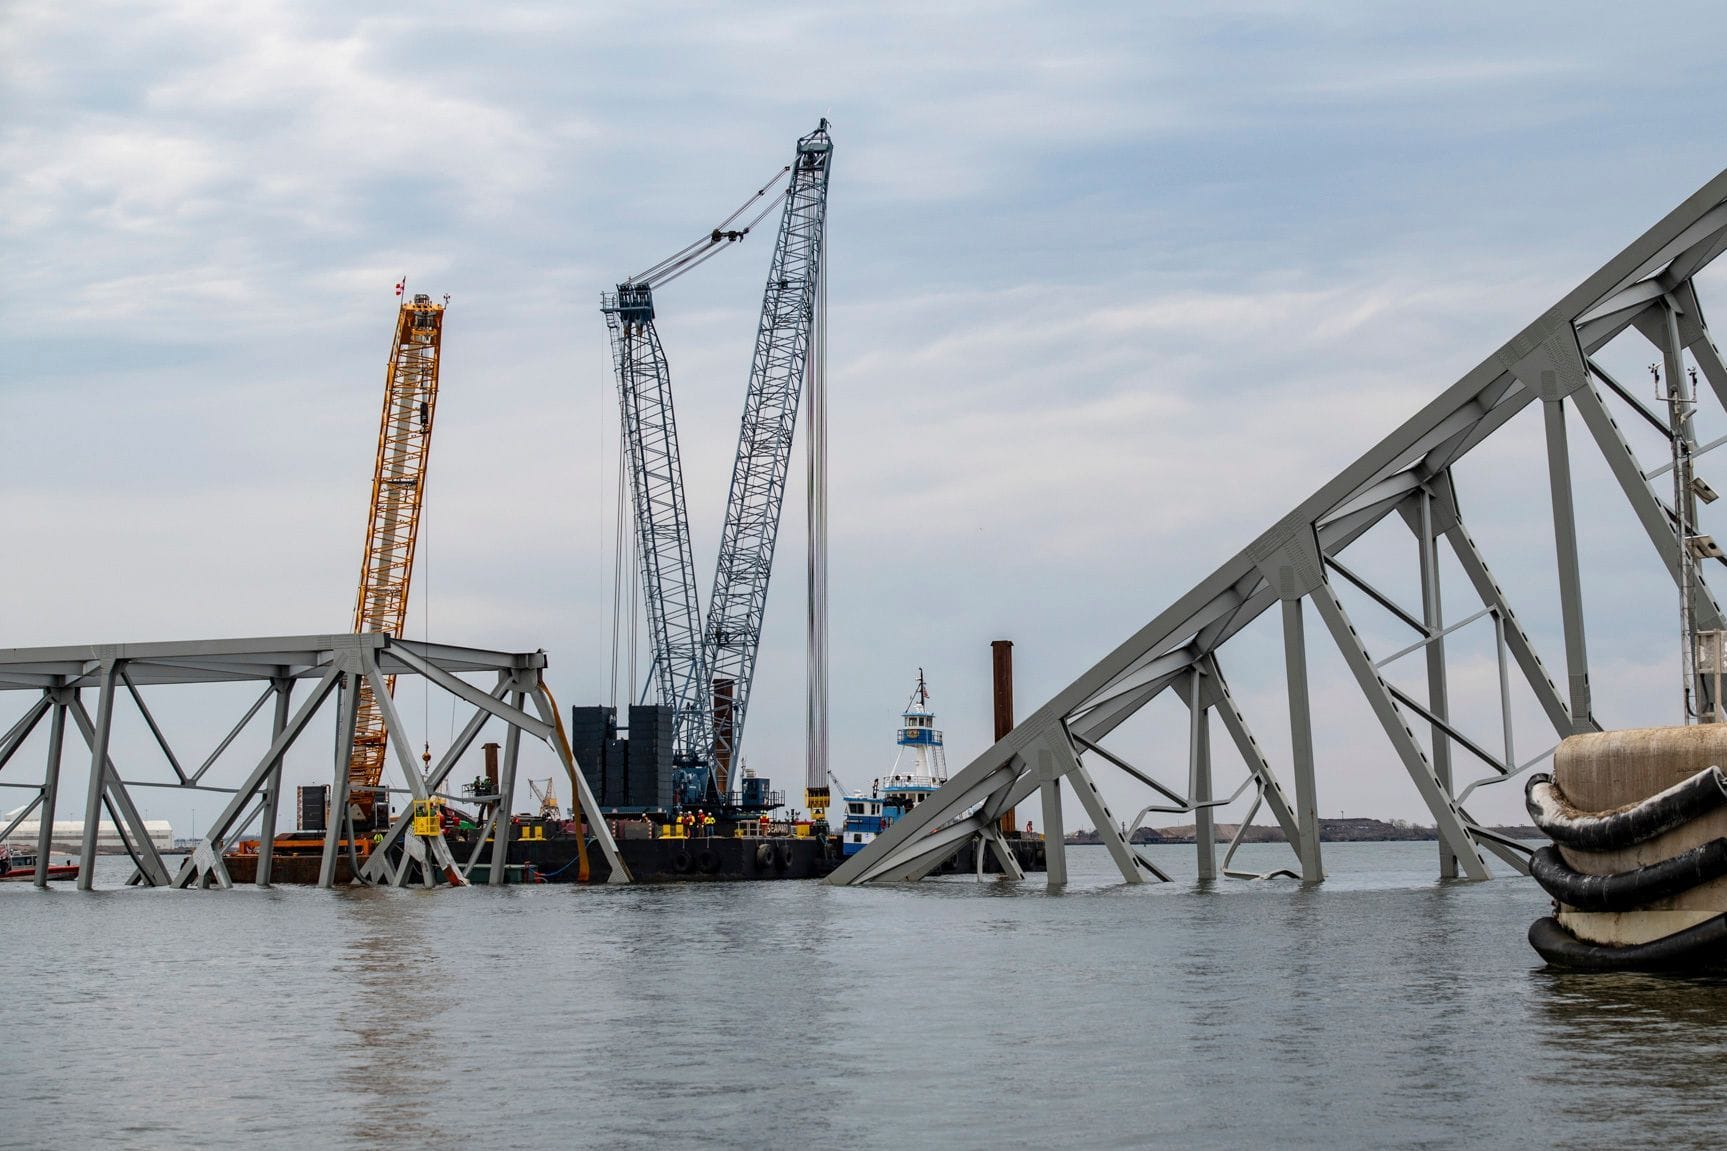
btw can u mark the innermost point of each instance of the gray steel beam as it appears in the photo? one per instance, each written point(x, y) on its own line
point(347, 715)
point(1651, 513)
point(1097, 722)
point(272, 796)
point(1054, 833)
point(26, 724)
point(918, 857)
point(50, 787)
point(1127, 860)
point(228, 818)
point(1235, 723)
point(1301, 742)
point(1450, 524)
point(1565, 542)
point(98, 776)
point(128, 821)
point(1433, 615)
point(1181, 801)
point(539, 728)
point(502, 824)
point(1445, 811)
point(1701, 344)
point(1147, 673)
point(913, 834)
point(1004, 856)
point(375, 868)
point(1377, 596)
point(437, 847)
point(150, 722)
point(234, 731)
point(1199, 778)
point(1437, 436)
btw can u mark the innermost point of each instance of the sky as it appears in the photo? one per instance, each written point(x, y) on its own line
point(1112, 288)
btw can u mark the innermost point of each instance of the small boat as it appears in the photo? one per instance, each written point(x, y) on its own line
point(918, 772)
point(17, 863)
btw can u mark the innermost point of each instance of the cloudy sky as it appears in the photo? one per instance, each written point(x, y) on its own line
point(1113, 286)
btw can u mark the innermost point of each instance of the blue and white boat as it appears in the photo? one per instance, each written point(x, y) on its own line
point(918, 771)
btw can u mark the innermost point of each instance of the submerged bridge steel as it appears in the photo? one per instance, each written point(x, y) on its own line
point(1648, 289)
point(336, 666)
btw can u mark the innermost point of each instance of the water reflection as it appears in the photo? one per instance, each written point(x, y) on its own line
point(1646, 1050)
point(392, 995)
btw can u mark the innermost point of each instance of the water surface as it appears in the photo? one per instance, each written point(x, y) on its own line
point(1382, 1009)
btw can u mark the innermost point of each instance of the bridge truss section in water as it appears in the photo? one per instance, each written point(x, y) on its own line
point(1645, 293)
point(335, 666)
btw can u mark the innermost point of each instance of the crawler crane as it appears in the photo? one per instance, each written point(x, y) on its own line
point(398, 491)
point(704, 672)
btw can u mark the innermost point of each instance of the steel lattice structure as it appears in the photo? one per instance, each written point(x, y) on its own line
point(662, 521)
point(1645, 291)
point(705, 674)
point(393, 523)
point(740, 594)
point(337, 668)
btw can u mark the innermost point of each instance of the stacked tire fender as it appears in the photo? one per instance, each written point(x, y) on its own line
point(1638, 864)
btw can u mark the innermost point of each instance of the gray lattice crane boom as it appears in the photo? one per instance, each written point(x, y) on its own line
point(662, 519)
point(740, 594)
point(705, 674)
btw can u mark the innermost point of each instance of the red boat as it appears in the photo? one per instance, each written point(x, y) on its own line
point(16, 864)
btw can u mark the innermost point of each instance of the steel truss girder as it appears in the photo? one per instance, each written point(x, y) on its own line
point(1547, 361)
point(337, 665)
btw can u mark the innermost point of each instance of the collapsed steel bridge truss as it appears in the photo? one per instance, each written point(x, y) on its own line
point(1646, 291)
point(336, 666)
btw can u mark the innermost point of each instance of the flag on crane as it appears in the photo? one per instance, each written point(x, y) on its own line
point(401, 285)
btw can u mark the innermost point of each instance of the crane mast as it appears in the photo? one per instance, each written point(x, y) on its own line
point(739, 600)
point(662, 522)
point(398, 489)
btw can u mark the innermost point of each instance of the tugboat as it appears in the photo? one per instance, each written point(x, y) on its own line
point(918, 772)
point(17, 863)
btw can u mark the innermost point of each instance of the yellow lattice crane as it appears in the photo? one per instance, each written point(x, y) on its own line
point(548, 797)
point(398, 488)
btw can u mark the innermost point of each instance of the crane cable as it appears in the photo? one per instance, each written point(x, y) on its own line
point(699, 252)
point(423, 544)
point(622, 512)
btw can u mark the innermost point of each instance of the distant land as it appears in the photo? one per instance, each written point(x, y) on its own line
point(1330, 831)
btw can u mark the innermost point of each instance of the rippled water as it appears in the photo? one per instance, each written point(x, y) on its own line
point(1384, 1009)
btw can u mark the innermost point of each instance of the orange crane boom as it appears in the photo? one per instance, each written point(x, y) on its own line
point(398, 489)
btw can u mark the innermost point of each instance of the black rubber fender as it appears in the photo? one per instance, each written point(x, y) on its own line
point(1628, 890)
point(1699, 948)
point(681, 863)
point(766, 857)
point(707, 861)
point(783, 858)
point(1626, 826)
